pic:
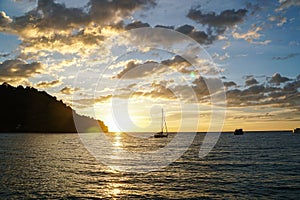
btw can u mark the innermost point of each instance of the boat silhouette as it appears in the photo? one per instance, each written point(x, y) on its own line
point(238, 132)
point(162, 134)
point(296, 130)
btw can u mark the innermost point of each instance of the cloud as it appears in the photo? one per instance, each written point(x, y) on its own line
point(226, 18)
point(251, 81)
point(229, 84)
point(285, 4)
point(52, 26)
point(179, 64)
point(47, 84)
point(162, 26)
point(64, 44)
point(252, 35)
point(50, 15)
point(282, 21)
point(134, 70)
point(106, 12)
point(4, 20)
point(159, 37)
point(68, 90)
point(13, 70)
point(198, 90)
point(87, 102)
point(201, 86)
point(254, 116)
point(293, 86)
point(199, 36)
point(277, 79)
point(279, 19)
point(136, 24)
point(291, 55)
point(221, 57)
point(137, 70)
point(4, 55)
point(175, 61)
point(159, 90)
point(286, 96)
point(217, 23)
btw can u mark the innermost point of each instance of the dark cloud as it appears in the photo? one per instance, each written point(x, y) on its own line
point(185, 29)
point(105, 12)
point(160, 90)
point(293, 86)
point(226, 18)
point(217, 23)
point(230, 84)
point(179, 64)
point(200, 36)
point(137, 70)
point(56, 16)
point(162, 26)
point(254, 90)
point(292, 55)
point(199, 89)
point(277, 79)
point(287, 96)
point(17, 69)
point(47, 84)
point(56, 41)
point(52, 25)
point(68, 90)
point(265, 94)
point(176, 60)
point(136, 24)
point(251, 81)
point(200, 86)
point(4, 19)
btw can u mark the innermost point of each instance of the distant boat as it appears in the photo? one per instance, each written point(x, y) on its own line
point(238, 132)
point(296, 130)
point(161, 134)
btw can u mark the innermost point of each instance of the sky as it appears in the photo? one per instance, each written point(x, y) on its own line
point(211, 65)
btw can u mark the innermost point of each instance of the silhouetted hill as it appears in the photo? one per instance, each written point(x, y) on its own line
point(29, 110)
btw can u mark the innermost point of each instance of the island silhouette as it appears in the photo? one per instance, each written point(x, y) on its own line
point(27, 110)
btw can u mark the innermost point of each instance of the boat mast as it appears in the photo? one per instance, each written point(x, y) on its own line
point(162, 120)
point(166, 125)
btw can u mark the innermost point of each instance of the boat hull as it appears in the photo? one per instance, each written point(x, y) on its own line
point(296, 130)
point(160, 136)
point(238, 132)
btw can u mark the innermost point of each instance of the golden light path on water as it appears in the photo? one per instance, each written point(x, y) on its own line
point(117, 140)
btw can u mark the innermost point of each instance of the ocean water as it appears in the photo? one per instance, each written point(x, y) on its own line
point(58, 166)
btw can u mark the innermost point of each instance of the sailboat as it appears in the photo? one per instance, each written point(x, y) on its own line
point(161, 134)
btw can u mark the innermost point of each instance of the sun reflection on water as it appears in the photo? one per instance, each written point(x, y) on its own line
point(114, 190)
point(117, 140)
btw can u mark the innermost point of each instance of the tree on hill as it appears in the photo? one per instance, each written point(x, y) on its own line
point(30, 110)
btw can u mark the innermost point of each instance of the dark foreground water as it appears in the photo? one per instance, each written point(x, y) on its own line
point(252, 166)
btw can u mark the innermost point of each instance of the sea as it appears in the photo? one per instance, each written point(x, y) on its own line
point(258, 165)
